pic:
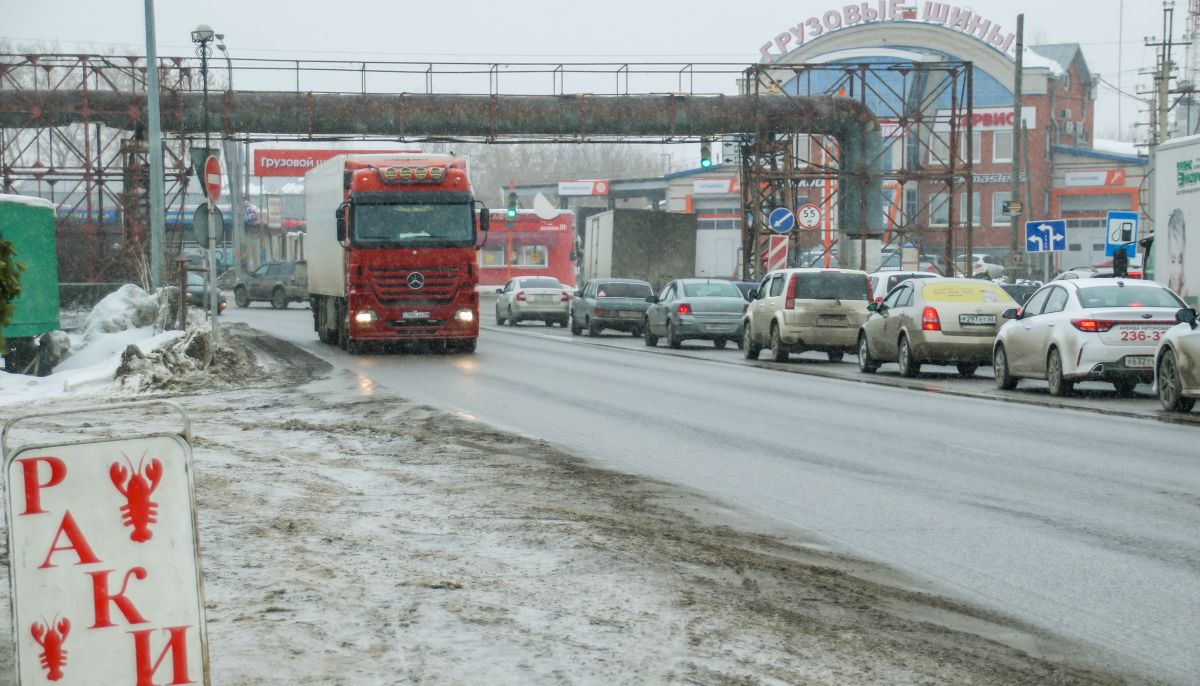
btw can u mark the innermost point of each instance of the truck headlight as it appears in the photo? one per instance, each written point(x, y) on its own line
point(364, 317)
point(464, 316)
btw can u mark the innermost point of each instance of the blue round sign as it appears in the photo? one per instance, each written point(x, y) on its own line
point(781, 220)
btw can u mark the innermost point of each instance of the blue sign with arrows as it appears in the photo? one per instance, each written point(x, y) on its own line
point(1046, 236)
point(781, 220)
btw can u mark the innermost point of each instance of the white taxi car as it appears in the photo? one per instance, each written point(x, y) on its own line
point(1080, 329)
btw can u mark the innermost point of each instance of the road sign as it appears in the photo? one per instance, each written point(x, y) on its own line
point(200, 223)
point(1011, 207)
point(1122, 231)
point(781, 220)
point(212, 178)
point(776, 254)
point(1046, 236)
point(808, 216)
point(103, 558)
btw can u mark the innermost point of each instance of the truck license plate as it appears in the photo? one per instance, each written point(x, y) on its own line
point(414, 315)
point(1139, 361)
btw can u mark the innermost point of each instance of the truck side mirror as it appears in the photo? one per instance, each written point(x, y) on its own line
point(485, 219)
point(340, 219)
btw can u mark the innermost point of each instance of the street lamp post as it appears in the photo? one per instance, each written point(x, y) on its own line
point(233, 166)
point(203, 37)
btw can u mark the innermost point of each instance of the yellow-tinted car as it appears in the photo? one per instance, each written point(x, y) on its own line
point(937, 321)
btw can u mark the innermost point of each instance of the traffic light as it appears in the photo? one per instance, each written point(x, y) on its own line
point(511, 213)
point(1120, 262)
point(705, 153)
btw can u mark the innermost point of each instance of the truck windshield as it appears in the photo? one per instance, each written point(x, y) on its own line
point(385, 225)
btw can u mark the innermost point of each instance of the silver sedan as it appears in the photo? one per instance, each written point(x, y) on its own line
point(706, 309)
point(540, 298)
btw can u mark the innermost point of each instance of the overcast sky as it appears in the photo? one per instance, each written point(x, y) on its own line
point(539, 30)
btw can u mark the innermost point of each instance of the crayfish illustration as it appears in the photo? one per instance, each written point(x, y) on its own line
point(54, 658)
point(137, 486)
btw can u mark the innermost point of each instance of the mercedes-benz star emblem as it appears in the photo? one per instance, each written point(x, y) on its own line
point(416, 280)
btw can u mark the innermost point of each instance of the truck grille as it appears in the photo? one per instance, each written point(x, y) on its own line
point(391, 285)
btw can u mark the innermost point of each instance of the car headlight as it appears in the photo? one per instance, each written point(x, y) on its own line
point(364, 317)
point(464, 316)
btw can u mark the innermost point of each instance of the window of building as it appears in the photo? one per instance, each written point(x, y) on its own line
point(1002, 146)
point(529, 255)
point(939, 209)
point(998, 200)
point(976, 213)
point(492, 256)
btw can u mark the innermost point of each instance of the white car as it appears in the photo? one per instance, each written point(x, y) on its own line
point(1177, 364)
point(533, 297)
point(981, 265)
point(1082, 329)
point(883, 282)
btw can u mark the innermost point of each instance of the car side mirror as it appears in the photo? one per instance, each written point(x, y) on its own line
point(873, 307)
point(753, 294)
point(1011, 313)
point(651, 299)
point(1186, 316)
point(500, 291)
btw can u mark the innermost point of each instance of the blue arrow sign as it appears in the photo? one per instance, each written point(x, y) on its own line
point(1122, 230)
point(781, 220)
point(1046, 236)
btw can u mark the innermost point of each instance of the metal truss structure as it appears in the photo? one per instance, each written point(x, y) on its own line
point(925, 113)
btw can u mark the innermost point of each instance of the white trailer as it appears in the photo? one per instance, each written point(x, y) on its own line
point(1175, 254)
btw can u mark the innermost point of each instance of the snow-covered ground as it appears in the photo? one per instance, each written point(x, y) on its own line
point(351, 537)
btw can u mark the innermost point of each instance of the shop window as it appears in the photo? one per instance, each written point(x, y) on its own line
point(529, 255)
point(492, 256)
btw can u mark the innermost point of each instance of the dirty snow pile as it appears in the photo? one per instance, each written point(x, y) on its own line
point(123, 349)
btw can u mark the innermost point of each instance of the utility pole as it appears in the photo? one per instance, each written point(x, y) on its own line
point(157, 212)
point(202, 37)
point(1016, 252)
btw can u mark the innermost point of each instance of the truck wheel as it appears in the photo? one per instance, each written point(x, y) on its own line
point(240, 297)
point(279, 299)
point(467, 346)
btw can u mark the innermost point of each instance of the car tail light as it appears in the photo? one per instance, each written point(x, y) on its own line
point(521, 296)
point(791, 293)
point(564, 298)
point(601, 313)
point(869, 290)
point(1092, 325)
point(930, 320)
point(684, 308)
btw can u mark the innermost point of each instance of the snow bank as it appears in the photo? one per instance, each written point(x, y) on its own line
point(128, 308)
point(1115, 147)
point(26, 200)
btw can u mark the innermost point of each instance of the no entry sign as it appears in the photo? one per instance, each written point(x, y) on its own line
point(105, 573)
point(212, 178)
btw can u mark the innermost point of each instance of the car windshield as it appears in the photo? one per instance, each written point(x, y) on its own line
point(194, 279)
point(540, 282)
point(1128, 296)
point(708, 289)
point(623, 290)
point(394, 225)
point(831, 286)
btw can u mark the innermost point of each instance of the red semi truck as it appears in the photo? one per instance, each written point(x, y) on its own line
point(391, 250)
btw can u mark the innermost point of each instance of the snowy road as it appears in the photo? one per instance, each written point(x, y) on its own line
point(1081, 523)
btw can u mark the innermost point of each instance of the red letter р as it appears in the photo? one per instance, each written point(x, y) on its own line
point(33, 489)
point(101, 598)
point(176, 645)
point(78, 543)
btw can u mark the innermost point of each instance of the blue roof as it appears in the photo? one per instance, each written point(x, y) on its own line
point(716, 168)
point(1100, 155)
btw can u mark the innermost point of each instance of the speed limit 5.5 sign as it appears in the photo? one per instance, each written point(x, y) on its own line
point(808, 216)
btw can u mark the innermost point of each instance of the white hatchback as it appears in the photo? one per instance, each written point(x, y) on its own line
point(1081, 329)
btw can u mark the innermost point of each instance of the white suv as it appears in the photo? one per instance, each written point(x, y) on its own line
point(794, 310)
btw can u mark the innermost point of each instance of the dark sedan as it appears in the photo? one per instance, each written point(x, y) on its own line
point(610, 304)
point(198, 294)
point(704, 309)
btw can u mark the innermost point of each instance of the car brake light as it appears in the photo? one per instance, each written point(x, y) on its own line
point(684, 308)
point(869, 289)
point(930, 320)
point(791, 293)
point(521, 296)
point(564, 298)
point(1092, 325)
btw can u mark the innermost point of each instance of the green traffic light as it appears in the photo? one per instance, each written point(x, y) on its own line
point(705, 163)
point(511, 213)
